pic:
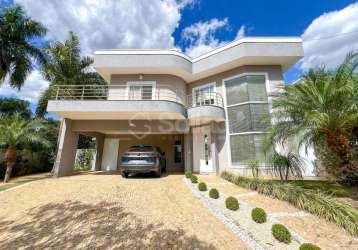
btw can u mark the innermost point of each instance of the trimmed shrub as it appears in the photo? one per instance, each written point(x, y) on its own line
point(214, 193)
point(194, 179)
point(281, 233)
point(202, 186)
point(314, 202)
point(258, 215)
point(232, 203)
point(309, 246)
point(188, 174)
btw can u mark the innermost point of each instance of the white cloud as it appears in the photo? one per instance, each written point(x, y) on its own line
point(102, 25)
point(201, 36)
point(31, 90)
point(330, 37)
point(110, 23)
point(241, 32)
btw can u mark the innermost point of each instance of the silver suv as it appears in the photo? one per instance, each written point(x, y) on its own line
point(143, 159)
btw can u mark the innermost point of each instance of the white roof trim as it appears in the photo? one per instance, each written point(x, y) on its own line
point(208, 54)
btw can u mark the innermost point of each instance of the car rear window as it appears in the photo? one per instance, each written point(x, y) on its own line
point(141, 149)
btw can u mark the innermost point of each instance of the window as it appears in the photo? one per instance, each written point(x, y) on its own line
point(140, 90)
point(178, 149)
point(206, 149)
point(246, 147)
point(202, 95)
point(248, 117)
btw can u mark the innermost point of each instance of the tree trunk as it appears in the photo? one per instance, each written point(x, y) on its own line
point(340, 145)
point(10, 159)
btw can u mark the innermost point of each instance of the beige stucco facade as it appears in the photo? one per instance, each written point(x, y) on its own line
point(169, 114)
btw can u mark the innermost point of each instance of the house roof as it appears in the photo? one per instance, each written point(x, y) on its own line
point(284, 51)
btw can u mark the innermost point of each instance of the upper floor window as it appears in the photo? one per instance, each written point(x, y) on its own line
point(248, 117)
point(246, 88)
point(141, 90)
point(203, 95)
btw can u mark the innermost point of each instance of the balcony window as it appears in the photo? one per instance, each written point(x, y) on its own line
point(141, 90)
point(203, 95)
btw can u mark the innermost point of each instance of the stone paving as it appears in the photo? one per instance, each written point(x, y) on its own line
point(304, 226)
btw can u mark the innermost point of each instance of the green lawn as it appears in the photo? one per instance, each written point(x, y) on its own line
point(16, 181)
point(334, 188)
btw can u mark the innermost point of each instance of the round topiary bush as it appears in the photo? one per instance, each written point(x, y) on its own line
point(214, 193)
point(202, 186)
point(194, 179)
point(281, 233)
point(309, 246)
point(258, 215)
point(188, 174)
point(232, 203)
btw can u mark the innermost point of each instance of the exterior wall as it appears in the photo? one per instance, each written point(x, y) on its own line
point(275, 79)
point(165, 142)
point(167, 84)
point(66, 149)
point(110, 154)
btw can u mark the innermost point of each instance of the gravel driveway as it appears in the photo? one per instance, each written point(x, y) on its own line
point(105, 211)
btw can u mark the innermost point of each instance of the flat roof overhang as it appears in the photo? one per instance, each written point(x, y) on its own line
point(117, 109)
point(284, 51)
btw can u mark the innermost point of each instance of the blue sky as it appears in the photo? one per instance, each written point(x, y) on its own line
point(329, 27)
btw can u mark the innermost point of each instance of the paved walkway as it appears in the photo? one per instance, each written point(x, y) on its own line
point(311, 228)
point(105, 211)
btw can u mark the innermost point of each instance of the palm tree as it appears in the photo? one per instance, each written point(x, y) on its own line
point(17, 47)
point(65, 66)
point(321, 108)
point(17, 131)
point(287, 165)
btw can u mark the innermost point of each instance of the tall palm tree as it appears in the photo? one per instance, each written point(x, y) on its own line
point(65, 66)
point(321, 108)
point(17, 131)
point(17, 47)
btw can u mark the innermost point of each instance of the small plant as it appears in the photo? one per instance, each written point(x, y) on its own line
point(258, 215)
point(202, 186)
point(281, 233)
point(214, 193)
point(194, 179)
point(188, 174)
point(232, 203)
point(309, 246)
point(254, 166)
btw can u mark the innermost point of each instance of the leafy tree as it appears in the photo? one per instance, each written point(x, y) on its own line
point(9, 106)
point(321, 109)
point(66, 66)
point(16, 131)
point(17, 45)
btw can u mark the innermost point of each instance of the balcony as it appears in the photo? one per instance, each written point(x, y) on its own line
point(112, 102)
point(136, 102)
point(205, 107)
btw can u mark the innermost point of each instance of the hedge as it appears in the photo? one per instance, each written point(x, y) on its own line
point(315, 202)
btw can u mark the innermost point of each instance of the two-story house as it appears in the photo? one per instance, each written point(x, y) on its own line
point(206, 113)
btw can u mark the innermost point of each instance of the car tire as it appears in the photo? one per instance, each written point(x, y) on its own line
point(124, 175)
point(158, 173)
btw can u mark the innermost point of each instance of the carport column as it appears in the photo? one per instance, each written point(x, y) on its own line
point(188, 152)
point(99, 151)
point(66, 149)
point(214, 148)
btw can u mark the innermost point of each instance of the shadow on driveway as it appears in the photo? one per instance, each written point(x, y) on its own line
point(75, 225)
